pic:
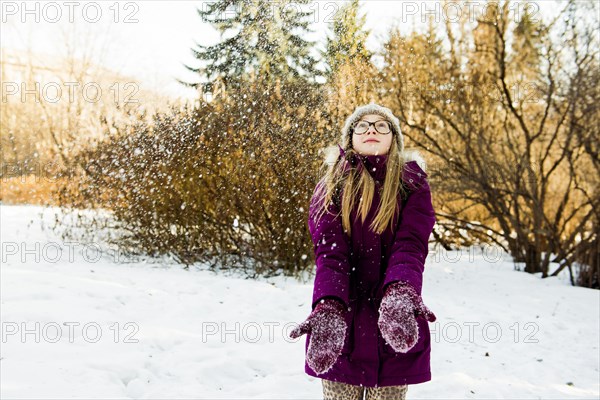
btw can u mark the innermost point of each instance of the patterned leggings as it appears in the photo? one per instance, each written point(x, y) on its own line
point(343, 391)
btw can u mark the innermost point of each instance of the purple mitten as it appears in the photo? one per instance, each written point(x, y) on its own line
point(397, 322)
point(327, 326)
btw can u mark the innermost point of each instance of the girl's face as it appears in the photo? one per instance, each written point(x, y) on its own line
point(372, 141)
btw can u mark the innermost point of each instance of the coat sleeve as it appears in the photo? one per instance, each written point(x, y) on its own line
point(417, 218)
point(332, 252)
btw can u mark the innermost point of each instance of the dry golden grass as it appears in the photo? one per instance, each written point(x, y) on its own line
point(30, 189)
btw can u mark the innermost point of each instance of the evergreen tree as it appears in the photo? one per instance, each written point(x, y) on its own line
point(352, 79)
point(268, 40)
point(526, 48)
point(348, 42)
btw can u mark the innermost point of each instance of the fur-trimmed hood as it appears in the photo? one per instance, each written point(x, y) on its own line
point(414, 169)
point(333, 152)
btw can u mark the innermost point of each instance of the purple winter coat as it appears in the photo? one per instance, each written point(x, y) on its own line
point(357, 270)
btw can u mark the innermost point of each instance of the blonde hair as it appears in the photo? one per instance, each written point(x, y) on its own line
point(356, 184)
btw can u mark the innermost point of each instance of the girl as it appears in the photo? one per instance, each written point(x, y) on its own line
point(368, 327)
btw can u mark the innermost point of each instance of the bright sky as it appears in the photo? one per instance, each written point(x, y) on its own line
point(151, 40)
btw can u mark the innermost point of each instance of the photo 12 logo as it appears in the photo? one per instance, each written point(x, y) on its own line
point(69, 11)
point(53, 332)
point(490, 332)
point(471, 11)
point(55, 92)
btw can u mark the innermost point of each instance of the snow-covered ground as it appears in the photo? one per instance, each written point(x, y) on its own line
point(94, 326)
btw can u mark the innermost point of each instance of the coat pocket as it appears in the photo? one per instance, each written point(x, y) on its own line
point(419, 346)
point(349, 339)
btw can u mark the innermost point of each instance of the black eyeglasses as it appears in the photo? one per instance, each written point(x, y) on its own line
point(381, 126)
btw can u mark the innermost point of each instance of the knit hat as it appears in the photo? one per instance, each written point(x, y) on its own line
point(371, 108)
